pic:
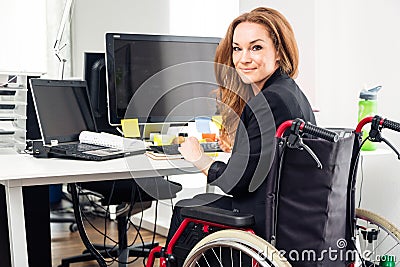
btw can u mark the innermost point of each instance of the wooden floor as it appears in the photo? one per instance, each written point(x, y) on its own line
point(65, 244)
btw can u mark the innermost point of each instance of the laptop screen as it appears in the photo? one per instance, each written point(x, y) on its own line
point(62, 108)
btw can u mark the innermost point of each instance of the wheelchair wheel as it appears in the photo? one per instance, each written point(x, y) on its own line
point(234, 248)
point(376, 237)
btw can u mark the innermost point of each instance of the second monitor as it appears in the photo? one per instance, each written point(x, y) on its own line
point(160, 78)
point(95, 76)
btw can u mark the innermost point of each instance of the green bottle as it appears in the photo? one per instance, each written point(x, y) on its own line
point(368, 106)
point(387, 261)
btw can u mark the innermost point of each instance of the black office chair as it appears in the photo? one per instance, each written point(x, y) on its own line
point(139, 197)
point(55, 218)
point(63, 213)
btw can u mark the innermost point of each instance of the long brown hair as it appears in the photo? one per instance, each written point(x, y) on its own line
point(232, 92)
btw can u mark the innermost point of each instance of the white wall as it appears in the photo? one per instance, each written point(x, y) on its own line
point(202, 18)
point(358, 45)
point(23, 35)
point(300, 15)
point(177, 17)
point(93, 18)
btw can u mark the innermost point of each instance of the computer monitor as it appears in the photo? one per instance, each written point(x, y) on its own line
point(160, 78)
point(32, 125)
point(95, 76)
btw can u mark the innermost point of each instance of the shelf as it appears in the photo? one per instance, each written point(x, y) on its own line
point(17, 103)
point(11, 117)
point(13, 104)
point(20, 73)
point(378, 151)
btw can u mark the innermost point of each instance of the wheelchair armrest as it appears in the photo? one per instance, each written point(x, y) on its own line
point(220, 216)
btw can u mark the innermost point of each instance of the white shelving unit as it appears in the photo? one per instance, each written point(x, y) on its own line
point(13, 101)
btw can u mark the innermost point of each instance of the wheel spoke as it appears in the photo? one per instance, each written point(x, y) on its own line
point(386, 242)
point(205, 259)
point(234, 248)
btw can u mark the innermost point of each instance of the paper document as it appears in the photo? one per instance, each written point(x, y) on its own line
point(111, 140)
point(203, 124)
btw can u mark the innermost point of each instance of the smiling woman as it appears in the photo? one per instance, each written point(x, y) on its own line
point(254, 55)
point(256, 63)
point(23, 45)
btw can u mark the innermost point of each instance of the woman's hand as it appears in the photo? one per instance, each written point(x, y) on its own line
point(225, 145)
point(194, 153)
point(191, 149)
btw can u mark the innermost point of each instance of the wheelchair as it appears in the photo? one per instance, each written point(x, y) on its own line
point(313, 222)
point(308, 213)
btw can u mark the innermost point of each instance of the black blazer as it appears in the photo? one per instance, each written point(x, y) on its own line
point(244, 176)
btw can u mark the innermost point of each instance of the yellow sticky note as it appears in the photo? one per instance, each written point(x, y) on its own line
point(217, 120)
point(130, 127)
point(163, 139)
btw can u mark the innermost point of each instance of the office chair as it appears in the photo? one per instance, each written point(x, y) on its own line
point(58, 212)
point(63, 219)
point(139, 197)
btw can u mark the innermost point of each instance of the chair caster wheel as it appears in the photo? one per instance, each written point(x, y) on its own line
point(73, 227)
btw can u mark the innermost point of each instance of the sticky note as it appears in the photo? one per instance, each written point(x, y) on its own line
point(217, 120)
point(163, 139)
point(130, 127)
point(202, 124)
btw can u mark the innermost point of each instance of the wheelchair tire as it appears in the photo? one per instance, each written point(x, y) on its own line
point(236, 244)
point(387, 237)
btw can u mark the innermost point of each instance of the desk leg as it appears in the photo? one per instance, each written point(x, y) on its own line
point(16, 226)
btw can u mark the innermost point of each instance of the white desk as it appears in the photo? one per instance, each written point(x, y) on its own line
point(18, 170)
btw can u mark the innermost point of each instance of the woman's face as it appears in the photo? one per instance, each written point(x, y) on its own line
point(254, 55)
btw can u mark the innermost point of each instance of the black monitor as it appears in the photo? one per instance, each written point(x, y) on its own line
point(32, 125)
point(95, 76)
point(160, 78)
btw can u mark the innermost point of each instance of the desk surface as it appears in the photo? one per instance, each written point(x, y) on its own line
point(25, 170)
point(18, 170)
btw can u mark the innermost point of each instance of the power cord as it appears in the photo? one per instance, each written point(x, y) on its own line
point(134, 190)
point(120, 131)
point(77, 212)
point(138, 234)
point(135, 194)
point(105, 236)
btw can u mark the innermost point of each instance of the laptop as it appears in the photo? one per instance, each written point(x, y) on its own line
point(63, 111)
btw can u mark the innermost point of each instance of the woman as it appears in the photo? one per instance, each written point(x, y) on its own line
point(261, 49)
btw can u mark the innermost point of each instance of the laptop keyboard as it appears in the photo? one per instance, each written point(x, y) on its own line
point(173, 149)
point(79, 147)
